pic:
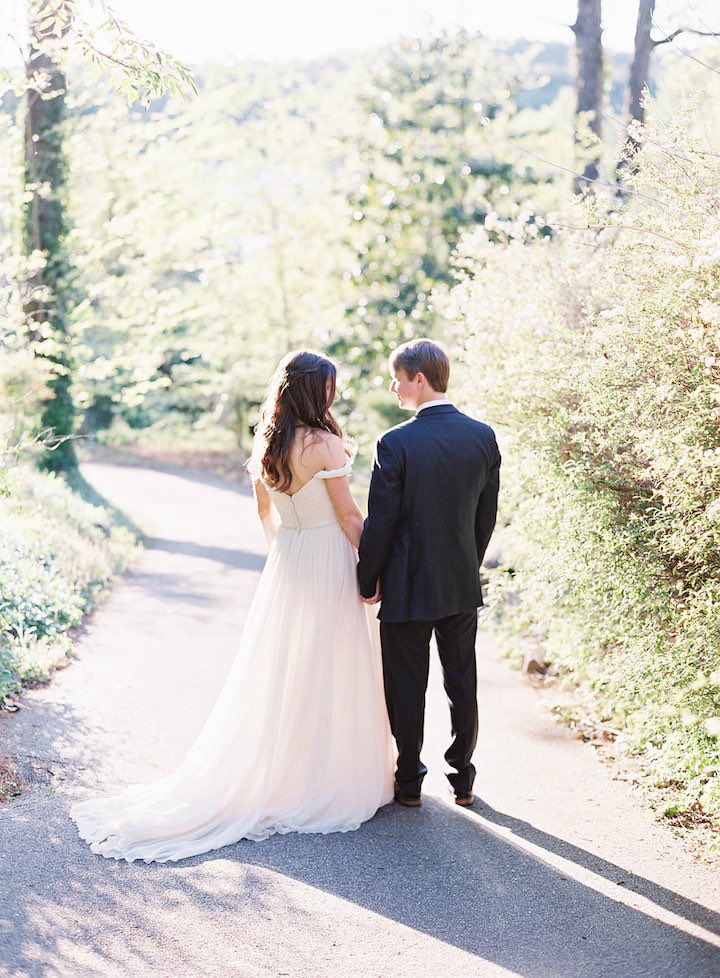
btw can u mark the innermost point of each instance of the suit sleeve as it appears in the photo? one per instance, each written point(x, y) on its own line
point(384, 501)
point(486, 513)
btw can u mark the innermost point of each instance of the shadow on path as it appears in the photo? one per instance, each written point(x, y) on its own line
point(438, 871)
point(239, 559)
point(434, 870)
point(90, 494)
point(674, 902)
point(45, 741)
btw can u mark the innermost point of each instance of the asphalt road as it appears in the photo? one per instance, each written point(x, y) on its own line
point(558, 872)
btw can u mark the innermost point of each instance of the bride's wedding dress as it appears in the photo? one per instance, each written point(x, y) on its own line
point(299, 739)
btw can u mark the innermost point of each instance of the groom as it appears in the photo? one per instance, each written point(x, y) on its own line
point(431, 512)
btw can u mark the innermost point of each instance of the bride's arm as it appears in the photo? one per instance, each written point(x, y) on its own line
point(329, 453)
point(346, 509)
point(265, 511)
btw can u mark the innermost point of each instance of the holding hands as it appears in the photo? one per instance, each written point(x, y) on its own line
point(375, 599)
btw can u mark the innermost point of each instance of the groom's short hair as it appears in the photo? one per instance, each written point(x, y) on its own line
point(426, 357)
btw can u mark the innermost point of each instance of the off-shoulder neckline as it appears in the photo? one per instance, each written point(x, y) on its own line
point(321, 474)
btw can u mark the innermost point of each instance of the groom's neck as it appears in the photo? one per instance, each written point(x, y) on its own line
point(430, 395)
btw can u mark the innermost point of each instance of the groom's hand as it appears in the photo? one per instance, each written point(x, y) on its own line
point(375, 598)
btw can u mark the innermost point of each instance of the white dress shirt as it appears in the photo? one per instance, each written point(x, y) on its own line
point(433, 403)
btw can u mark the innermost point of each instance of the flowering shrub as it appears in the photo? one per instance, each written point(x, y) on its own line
point(56, 554)
point(596, 353)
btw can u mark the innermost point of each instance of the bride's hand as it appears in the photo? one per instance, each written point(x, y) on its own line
point(375, 598)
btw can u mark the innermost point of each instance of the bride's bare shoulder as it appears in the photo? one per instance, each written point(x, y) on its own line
point(323, 450)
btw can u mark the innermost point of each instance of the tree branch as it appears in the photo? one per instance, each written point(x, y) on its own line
point(624, 227)
point(669, 38)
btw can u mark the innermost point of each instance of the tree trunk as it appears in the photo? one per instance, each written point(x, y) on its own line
point(44, 226)
point(641, 61)
point(588, 84)
point(639, 72)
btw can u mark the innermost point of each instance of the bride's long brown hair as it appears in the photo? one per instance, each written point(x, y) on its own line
point(299, 394)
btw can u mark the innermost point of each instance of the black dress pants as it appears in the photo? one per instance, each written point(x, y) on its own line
point(406, 661)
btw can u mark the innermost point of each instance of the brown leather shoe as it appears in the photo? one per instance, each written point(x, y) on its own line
point(406, 800)
point(465, 800)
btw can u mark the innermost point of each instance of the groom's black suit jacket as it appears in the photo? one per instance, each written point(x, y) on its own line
point(431, 512)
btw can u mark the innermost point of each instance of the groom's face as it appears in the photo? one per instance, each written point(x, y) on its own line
point(404, 389)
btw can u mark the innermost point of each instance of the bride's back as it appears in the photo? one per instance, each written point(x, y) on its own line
point(311, 451)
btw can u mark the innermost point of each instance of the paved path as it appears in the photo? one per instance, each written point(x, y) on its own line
point(556, 874)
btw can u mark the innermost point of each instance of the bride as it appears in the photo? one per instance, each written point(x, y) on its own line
point(299, 739)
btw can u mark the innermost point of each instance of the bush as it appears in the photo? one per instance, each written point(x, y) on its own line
point(596, 353)
point(57, 553)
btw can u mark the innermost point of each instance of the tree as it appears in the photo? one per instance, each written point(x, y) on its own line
point(210, 247)
point(429, 170)
point(44, 224)
point(139, 69)
point(588, 88)
point(640, 63)
point(638, 80)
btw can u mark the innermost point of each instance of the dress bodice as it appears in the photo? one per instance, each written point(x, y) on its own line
point(311, 505)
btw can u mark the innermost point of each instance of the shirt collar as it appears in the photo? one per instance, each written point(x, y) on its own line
point(434, 403)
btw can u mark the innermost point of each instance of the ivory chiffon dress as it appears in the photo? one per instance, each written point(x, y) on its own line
point(298, 740)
